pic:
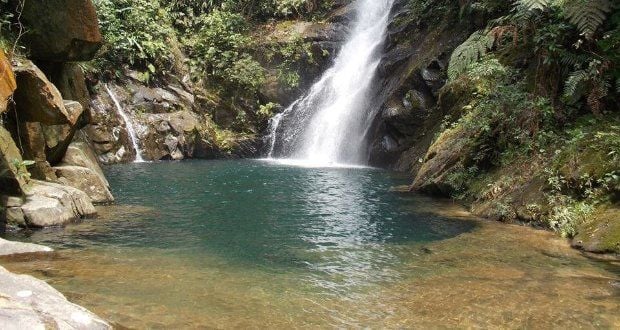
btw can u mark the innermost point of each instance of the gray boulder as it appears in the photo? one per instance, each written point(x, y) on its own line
point(29, 303)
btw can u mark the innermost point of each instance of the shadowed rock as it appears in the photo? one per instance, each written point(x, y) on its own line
point(61, 30)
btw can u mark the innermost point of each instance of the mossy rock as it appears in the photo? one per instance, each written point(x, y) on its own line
point(602, 233)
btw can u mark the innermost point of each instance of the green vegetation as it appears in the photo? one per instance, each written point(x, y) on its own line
point(543, 82)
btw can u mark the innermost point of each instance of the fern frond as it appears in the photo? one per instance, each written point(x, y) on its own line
point(587, 15)
point(618, 85)
point(531, 5)
point(573, 87)
point(572, 60)
point(478, 44)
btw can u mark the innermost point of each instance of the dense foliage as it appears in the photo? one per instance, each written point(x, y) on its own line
point(545, 81)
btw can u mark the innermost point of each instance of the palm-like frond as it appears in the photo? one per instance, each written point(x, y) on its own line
point(478, 44)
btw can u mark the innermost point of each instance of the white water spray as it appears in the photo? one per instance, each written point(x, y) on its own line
point(328, 125)
point(128, 124)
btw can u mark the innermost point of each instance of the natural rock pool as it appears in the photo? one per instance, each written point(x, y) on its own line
point(256, 244)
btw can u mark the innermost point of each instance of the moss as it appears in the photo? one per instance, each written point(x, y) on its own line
point(601, 233)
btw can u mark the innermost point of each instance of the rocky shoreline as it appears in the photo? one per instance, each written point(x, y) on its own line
point(29, 303)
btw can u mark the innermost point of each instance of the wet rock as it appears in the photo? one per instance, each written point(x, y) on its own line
point(12, 248)
point(12, 178)
point(61, 30)
point(29, 303)
point(38, 100)
point(7, 81)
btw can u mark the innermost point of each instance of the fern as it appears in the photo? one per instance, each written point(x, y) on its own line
point(573, 87)
point(478, 45)
point(587, 15)
point(618, 85)
point(531, 5)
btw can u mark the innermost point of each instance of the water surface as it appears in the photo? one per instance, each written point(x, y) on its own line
point(255, 244)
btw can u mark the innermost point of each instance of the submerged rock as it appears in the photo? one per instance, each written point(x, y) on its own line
point(29, 303)
point(11, 248)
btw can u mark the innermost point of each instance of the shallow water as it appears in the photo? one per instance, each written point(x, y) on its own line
point(255, 244)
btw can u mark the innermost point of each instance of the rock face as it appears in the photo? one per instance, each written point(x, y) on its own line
point(29, 303)
point(7, 81)
point(12, 248)
point(166, 123)
point(411, 74)
point(38, 100)
point(61, 30)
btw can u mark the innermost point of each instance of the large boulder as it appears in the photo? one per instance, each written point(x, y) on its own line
point(29, 303)
point(7, 81)
point(61, 30)
point(38, 100)
point(12, 170)
point(49, 204)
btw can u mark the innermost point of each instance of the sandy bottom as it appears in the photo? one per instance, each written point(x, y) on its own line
point(498, 276)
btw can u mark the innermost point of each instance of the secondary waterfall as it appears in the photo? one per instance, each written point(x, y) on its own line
point(128, 124)
point(327, 126)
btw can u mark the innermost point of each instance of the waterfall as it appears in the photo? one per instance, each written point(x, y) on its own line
point(128, 124)
point(327, 126)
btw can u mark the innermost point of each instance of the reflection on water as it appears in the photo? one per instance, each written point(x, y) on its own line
point(248, 244)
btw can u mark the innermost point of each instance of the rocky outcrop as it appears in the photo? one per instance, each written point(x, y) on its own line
point(61, 30)
point(29, 303)
point(166, 120)
point(38, 100)
point(7, 81)
point(50, 106)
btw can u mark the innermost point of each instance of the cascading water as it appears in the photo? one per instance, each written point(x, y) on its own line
point(328, 125)
point(128, 124)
